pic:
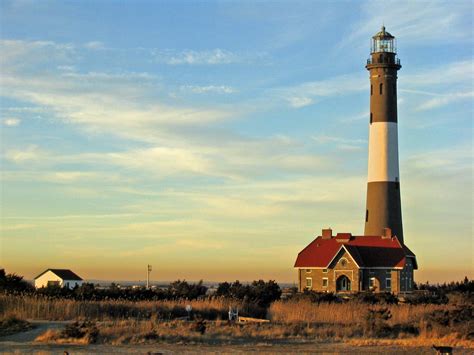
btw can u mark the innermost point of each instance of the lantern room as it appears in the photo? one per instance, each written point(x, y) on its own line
point(383, 42)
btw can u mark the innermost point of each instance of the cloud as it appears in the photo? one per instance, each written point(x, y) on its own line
point(459, 72)
point(11, 121)
point(94, 45)
point(218, 89)
point(211, 57)
point(307, 93)
point(341, 143)
point(30, 154)
point(298, 102)
point(418, 23)
point(443, 85)
point(96, 101)
point(444, 100)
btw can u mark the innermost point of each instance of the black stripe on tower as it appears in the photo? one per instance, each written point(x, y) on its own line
point(383, 208)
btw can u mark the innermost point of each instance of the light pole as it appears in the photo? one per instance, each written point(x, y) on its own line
point(148, 277)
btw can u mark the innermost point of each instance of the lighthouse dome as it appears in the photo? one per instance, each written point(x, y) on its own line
point(383, 41)
point(382, 34)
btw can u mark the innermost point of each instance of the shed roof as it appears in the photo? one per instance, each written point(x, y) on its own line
point(64, 274)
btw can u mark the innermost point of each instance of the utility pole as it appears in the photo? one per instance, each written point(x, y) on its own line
point(148, 276)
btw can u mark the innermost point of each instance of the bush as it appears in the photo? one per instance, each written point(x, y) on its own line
point(434, 297)
point(83, 330)
point(12, 325)
point(376, 322)
point(376, 298)
point(259, 292)
point(13, 283)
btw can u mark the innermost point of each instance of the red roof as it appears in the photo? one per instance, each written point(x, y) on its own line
point(367, 251)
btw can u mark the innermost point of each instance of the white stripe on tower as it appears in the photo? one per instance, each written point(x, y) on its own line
point(383, 152)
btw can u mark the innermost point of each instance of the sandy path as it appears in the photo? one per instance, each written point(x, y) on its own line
point(23, 343)
point(30, 335)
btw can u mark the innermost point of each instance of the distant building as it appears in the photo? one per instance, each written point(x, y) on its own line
point(379, 260)
point(345, 263)
point(59, 277)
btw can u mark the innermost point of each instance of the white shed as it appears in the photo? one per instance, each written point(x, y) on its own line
point(60, 277)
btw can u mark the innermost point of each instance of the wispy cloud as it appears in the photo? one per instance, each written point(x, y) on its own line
point(443, 100)
point(218, 89)
point(11, 121)
point(211, 57)
point(96, 101)
point(32, 153)
point(444, 84)
point(310, 92)
point(341, 143)
point(418, 23)
point(94, 45)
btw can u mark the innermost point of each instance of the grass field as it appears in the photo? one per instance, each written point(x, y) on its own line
point(145, 322)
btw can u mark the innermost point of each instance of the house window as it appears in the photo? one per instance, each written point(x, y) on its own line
point(381, 89)
point(388, 283)
point(372, 282)
point(371, 90)
point(343, 262)
point(309, 282)
point(371, 118)
point(308, 270)
point(325, 282)
point(325, 271)
point(53, 283)
point(367, 211)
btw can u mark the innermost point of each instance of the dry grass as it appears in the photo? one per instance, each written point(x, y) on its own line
point(53, 336)
point(448, 340)
point(220, 332)
point(63, 309)
point(12, 325)
point(345, 313)
point(126, 322)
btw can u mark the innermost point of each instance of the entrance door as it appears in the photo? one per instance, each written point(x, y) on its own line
point(343, 284)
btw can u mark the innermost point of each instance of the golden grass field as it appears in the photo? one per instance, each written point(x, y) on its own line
point(147, 322)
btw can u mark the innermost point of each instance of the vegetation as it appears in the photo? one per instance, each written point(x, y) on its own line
point(13, 283)
point(118, 316)
point(12, 325)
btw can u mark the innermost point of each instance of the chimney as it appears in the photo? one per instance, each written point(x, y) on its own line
point(387, 233)
point(327, 233)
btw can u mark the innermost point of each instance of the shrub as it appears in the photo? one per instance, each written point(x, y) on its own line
point(376, 322)
point(12, 325)
point(83, 330)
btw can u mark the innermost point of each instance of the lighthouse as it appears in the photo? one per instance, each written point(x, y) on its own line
point(383, 207)
point(379, 260)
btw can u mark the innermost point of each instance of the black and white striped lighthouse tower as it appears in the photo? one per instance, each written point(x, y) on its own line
point(383, 187)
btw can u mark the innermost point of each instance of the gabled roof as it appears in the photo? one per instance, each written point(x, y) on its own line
point(367, 251)
point(64, 274)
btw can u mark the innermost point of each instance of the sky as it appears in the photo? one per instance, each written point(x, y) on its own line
point(215, 139)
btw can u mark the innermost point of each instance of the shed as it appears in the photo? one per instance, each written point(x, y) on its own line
point(59, 277)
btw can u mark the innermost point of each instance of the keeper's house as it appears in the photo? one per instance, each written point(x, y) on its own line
point(58, 277)
point(345, 263)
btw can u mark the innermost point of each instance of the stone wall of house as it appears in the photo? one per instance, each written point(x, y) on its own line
point(337, 268)
point(395, 281)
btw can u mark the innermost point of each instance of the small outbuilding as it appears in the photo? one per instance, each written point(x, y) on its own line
point(58, 277)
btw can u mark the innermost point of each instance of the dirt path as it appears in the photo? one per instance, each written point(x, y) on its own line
point(165, 349)
point(30, 335)
point(23, 343)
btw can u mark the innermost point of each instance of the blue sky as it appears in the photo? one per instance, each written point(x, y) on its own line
point(215, 139)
